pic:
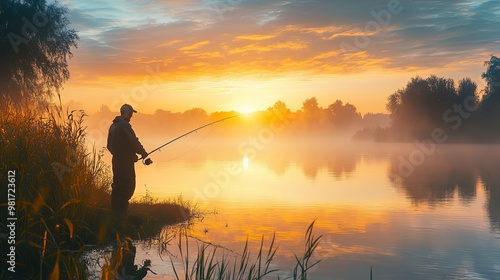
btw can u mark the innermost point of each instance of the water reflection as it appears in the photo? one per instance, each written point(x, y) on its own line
point(398, 244)
point(451, 170)
point(406, 227)
point(339, 158)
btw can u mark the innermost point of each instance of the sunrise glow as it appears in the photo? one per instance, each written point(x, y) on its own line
point(244, 56)
point(308, 139)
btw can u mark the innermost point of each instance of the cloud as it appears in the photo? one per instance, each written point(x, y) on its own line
point(291, 45)
point(194, 46)
point(256, 37)
point(190, 38)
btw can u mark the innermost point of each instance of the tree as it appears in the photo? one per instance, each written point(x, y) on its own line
point(194, 117)
point(197, 114)
point(490, 103)
point(314, 115)
point(35, 44)
point(310, 106)
point(418, 109)
point(278, 112)
point(311, 109)
point(278, 116)
point(492, 75)
point(343, 116)
point(467, 89)
point(104, 109)
point(279, 108)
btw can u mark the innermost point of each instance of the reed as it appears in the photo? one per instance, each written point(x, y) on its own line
point(303, 262)
point(62, 193)
point(208, 265)
point(59, 187)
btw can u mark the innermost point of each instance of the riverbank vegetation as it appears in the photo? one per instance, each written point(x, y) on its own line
point(208, 265)
point(435, 109)
point(209, 261)
point(58, 190)
point(62, 194)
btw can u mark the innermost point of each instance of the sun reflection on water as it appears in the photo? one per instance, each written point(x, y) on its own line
point(246, 162)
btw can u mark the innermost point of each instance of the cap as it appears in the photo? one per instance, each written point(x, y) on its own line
point(127, 107)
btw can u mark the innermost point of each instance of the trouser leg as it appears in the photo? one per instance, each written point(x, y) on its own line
point(123, 186)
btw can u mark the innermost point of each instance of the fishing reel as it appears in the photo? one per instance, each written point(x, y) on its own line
point(147, 161)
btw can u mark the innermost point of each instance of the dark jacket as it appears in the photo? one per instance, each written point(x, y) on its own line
point(122, 142)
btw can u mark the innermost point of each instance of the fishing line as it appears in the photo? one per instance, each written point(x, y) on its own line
point(148, 161)
point(193, 147)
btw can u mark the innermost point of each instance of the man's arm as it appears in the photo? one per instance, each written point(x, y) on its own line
point(110, 141)
point(134, 141)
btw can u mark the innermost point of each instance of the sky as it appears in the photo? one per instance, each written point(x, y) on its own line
point(245, 55)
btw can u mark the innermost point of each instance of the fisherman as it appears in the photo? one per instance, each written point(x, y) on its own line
point(124, 146)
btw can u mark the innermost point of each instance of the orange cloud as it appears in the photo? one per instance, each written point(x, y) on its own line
point(290, 45)
point(317, 30)
point(171, 43)
point(327, 55)
point(194, 46)
point(355, 32)
point(256, 37)
point(205, 55)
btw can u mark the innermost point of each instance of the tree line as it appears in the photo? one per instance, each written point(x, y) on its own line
point(459, 112)
point(337, 119)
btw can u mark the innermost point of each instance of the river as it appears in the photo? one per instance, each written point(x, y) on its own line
point(403, 211)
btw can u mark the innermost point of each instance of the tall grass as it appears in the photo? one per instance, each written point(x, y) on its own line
point(209, 264)
point(303, 262)
point(62, 194)
point(59, 187)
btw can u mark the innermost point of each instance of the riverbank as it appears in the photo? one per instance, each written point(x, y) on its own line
point(143, 222)
point(145, 219)
point(57, 195)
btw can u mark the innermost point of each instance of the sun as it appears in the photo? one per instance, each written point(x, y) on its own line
point(245, 109)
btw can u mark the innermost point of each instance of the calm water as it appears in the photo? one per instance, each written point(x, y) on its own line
point(407, 212)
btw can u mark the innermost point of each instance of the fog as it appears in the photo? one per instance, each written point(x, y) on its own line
point(337, 121)
point(426, 172)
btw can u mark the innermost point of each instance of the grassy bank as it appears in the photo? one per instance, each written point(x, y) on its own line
point(60, 196)
point(191, 258)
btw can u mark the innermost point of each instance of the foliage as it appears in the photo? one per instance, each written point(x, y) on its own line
point(492, 75)
point(343, 115)
point(35, 43)
point(59, 187)
point(336, 120)
point(425, 105)
point(62, 194)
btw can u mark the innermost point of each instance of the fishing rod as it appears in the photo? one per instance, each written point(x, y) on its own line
point(148, 161)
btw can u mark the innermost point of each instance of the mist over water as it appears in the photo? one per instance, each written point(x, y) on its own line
point(419, 210)
point(410, 211)
point(407, 212)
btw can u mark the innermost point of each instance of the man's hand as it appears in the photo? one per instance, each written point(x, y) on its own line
point(144, 155)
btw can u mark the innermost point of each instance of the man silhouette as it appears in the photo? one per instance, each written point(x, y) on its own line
point(124, 146)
